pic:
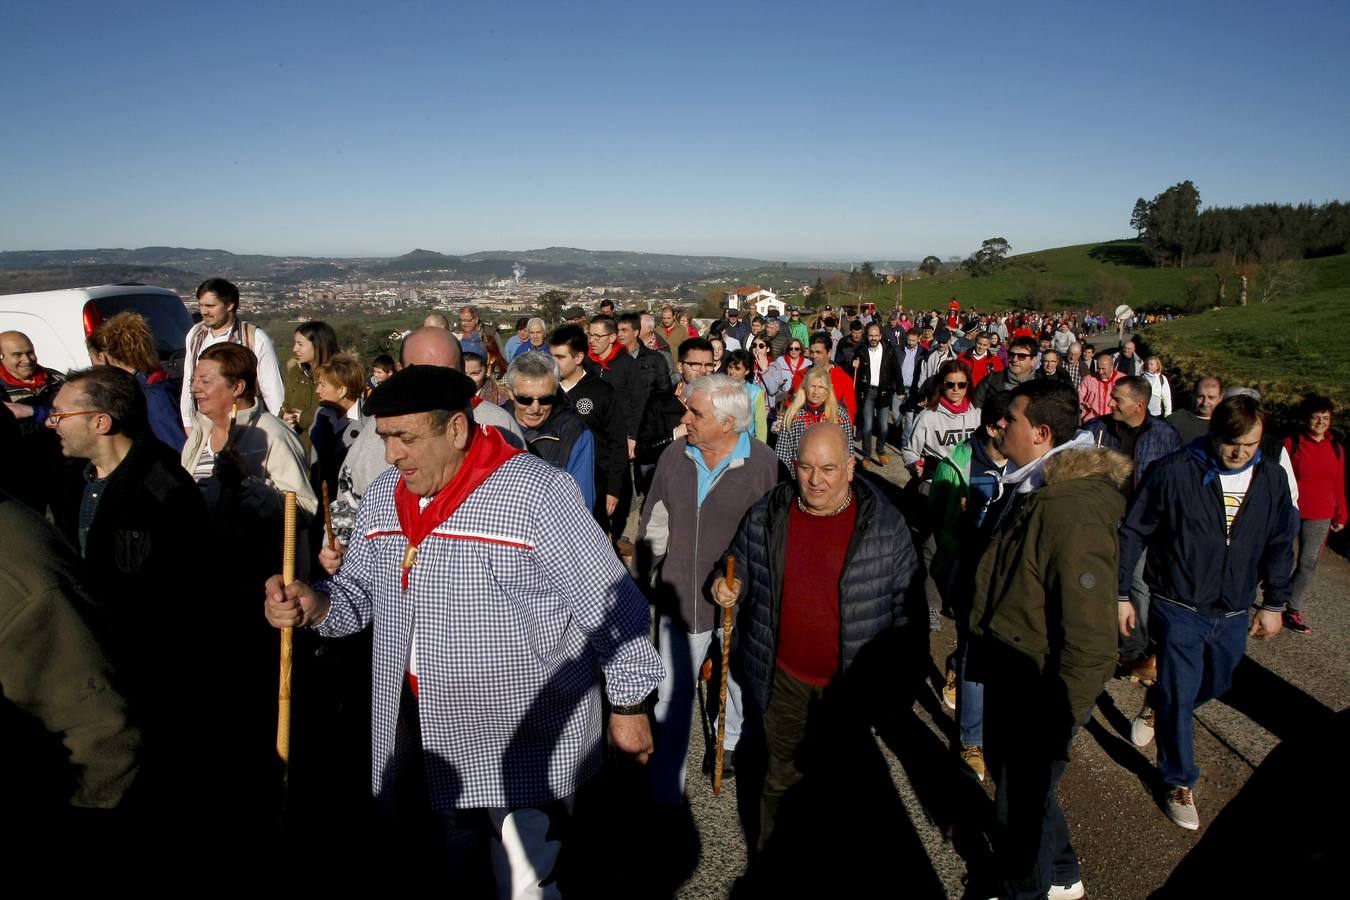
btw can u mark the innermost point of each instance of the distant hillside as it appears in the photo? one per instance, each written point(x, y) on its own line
point(55, 278)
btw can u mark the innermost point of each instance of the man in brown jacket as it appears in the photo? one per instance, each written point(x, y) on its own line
point(1044, 626)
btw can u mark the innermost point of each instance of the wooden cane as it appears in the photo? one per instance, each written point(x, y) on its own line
point(722, 692)
point(328, 518)
point(284, 688)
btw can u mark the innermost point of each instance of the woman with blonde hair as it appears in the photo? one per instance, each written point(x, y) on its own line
point(126, 342)
point(814, 402)
point(1160, 400)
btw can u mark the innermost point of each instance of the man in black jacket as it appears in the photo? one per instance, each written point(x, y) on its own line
point(826, 578)
point(875, 378)
point(609, 361)
point(593, 401)
point(654, 364)
point(139, 521)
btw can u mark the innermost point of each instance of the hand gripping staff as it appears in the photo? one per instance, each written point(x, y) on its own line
point(722, 691)
point(284, 688)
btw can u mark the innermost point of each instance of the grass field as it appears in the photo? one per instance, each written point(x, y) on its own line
point(1284, 348)
point(1076, 276)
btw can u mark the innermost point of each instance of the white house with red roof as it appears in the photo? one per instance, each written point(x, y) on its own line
point(752, 296)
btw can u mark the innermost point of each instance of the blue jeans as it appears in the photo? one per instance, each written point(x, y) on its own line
point(1196, 659)
point(969, 694)
point(682, 656)
point(872, 422)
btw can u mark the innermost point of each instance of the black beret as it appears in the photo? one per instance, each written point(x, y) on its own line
point(417, 389)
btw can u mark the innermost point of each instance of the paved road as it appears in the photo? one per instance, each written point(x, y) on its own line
point(1271, 796)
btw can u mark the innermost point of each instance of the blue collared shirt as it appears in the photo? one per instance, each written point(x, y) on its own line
point(706, 478)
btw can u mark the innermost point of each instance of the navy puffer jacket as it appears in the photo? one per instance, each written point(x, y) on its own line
point(880, 570)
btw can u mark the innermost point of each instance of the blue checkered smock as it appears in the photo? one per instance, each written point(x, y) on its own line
point(522, 610)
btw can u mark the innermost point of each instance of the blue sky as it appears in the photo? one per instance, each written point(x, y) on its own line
point(780, 130)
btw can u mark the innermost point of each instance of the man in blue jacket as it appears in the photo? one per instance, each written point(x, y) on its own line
point(1215, 518)
point(825, 567)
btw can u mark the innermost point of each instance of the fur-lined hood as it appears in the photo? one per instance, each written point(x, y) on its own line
point(1073, 464)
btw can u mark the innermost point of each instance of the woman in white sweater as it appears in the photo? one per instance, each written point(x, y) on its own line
point(945, 421)
point(1160, 400)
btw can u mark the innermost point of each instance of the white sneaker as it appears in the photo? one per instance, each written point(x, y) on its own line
point(1181, 808)
point(1066, 891)
point(1141, 729)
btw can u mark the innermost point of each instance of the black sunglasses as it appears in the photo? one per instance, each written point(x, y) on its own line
point(1021, 355)
point(546, 400)
point(954, 384)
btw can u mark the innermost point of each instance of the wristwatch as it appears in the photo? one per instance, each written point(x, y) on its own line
point(632, 709)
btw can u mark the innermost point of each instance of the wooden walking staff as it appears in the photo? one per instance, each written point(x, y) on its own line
point(284, 688)
point(722, 692)
point(328, 518)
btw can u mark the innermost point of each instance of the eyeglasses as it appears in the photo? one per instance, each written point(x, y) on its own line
point(1021, 354)
point(546, 400)
point(701, 366)
point(54, 418)
point(955, 384)
point(597, 335)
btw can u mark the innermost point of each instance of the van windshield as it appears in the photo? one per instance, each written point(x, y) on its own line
point(167, 317)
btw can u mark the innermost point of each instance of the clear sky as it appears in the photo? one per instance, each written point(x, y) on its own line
point(778, 129)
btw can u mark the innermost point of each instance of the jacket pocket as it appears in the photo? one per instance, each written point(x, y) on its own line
point(1017, 633)
point(130, 549)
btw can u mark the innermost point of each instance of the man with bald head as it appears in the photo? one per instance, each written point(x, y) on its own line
point(825, 567)
point(29, 388)
point(429, 345)
point(1194, 423)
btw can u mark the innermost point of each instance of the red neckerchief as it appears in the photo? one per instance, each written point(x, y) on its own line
point(812, 415)
point(801, 363)
point(157, 376)
point(476, 400)
point(954, 408)
point(604, 363)
point(486, 454)
point(39, 380)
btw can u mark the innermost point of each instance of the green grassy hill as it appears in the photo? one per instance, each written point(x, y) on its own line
point(1284, 348)
point(1098, 276)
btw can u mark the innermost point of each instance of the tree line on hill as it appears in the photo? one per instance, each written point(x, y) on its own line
point(1177, 233)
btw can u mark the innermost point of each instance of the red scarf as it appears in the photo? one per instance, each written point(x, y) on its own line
point(812, 415)
point(157, 376)
point(801, 363)
point(486, 454)
point(604, 362)
point(39, 380)
point(954, 408)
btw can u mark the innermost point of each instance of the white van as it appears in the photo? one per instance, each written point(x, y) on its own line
point(58, 322)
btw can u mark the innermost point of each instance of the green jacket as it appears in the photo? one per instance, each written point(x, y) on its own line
point(54, 677)
point(1045, 589)
point(946, 501)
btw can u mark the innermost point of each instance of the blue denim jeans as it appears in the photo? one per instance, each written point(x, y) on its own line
point(682, 656)
point(1196, 659)
point(872, 422)
point(969, 694)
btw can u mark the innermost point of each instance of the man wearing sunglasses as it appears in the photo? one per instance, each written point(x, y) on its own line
point(1021, 369)
point(553, 432)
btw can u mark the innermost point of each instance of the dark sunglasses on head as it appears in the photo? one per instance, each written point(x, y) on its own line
point(954, 384)
point(546, 400)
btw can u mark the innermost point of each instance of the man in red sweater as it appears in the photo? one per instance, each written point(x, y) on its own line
point(1319, 465)
point(980, 361)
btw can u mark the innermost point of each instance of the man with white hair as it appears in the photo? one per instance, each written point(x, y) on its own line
point(704, 483)
point(553, 432)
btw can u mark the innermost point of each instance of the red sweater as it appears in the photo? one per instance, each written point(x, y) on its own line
point(808, 636)
point(1321, 478)
point(843, 390)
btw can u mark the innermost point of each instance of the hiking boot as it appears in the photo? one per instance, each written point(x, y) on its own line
point(883, 459)
point(949, 690)
point(624, 547)
point(1144, 671)
point(1141, 729)
point(1073, 891)
point(1293, 621)
point(1181, 808)
point(705, 670)
point(972, 757)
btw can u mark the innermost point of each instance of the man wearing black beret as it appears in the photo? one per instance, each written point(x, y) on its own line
point(489, 638)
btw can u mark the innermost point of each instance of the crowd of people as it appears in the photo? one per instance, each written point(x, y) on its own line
point(476, 614)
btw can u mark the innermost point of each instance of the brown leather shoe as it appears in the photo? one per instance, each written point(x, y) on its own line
point(884, 459)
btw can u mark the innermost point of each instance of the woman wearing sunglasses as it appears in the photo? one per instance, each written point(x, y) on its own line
point(783, 371)
point(945, 422)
